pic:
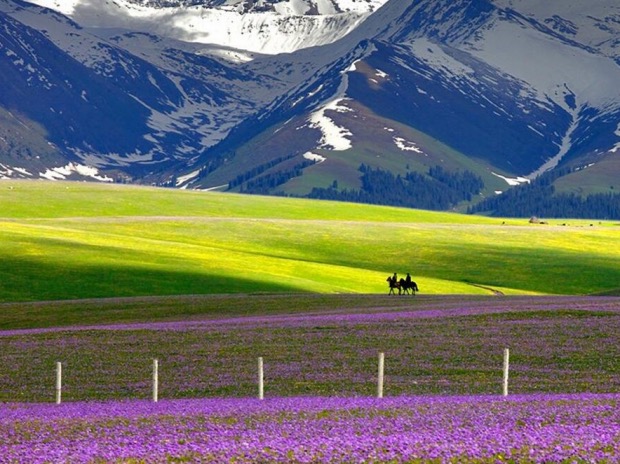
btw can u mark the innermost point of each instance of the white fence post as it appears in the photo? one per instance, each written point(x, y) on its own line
point(380, 375)
point(58, 382)
point(506, 366)
point(155, 380)
point(261, 385)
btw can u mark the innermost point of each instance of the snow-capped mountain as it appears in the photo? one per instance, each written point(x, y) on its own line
point(257, 26)
point(205, 94)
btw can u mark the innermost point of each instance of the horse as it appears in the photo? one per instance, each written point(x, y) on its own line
point(393, 283)
point(402, 285)
point(406, 286)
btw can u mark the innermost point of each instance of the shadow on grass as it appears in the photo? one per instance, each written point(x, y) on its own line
point(23, 280)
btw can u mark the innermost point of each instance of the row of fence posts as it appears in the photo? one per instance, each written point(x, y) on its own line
point(261, 378)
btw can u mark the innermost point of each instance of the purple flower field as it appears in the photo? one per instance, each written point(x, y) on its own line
point(475, 429)
point(443, 383)
point(433, 346)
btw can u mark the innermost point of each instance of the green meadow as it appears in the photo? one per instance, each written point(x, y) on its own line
point(61, 241)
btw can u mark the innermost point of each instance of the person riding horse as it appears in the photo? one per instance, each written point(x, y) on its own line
point(393, 283)
point(403, 285)
point(407, 285)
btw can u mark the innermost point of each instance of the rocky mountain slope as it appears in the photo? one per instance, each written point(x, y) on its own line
point(287, 97)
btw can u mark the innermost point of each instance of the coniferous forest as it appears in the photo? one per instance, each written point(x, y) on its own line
point(441, 190)
point(539, 198)
point(437, 190)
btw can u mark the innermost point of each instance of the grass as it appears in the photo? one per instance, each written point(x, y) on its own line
point(140, 273)
point(67, 313)
point(313, 345)
point(597, 178)
point(72, 241)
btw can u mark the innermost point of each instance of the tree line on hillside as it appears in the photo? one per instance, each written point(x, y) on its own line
point(539, 198)
point(437, 190)
point(256, 171)
point(264, 184)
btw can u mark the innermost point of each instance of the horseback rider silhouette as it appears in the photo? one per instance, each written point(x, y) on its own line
point(393, 282)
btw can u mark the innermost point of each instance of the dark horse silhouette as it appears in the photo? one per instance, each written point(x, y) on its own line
point(407, 286)
point(393, 283)
point(402, 285)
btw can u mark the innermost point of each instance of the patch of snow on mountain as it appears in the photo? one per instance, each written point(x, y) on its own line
point(293, 7)
point(234, 56)
point(334, 136)
point(380, 74)
point(314, 157)
point(104, 160)
point(512, 180)
point(358, 6)
point(188, 117)
point(563, 150)
point(406, 145)
point(66, 7)
point(188, 177)
point(9, 172)
point(63, 172)
point(321, 7)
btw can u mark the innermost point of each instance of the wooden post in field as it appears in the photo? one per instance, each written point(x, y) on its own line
point(506, 366)
point(155, 380)
point(380, 375)
point(58, 382)
point(261, 385)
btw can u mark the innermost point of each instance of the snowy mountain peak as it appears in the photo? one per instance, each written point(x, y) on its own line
point(262, 26)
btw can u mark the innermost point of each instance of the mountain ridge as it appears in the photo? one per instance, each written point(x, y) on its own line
point(505, 89)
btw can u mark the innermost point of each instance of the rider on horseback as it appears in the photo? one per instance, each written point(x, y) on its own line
point(393, 282)
point(403, 285)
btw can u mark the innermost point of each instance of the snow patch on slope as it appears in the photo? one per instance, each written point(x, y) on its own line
point(12, 172)
point(61, 173)
point(564, 148)
point(185, 179)
point(406, 145)
point(314, 157)
point(512, 181)
point(57, 173)
point(103, 160)
point(334, 136)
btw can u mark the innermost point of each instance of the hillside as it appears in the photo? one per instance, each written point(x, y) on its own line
point(287, 97)
point(73, 241)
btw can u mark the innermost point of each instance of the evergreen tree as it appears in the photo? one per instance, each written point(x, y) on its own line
point(437, 190)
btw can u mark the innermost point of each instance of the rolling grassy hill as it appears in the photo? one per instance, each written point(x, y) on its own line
point(224, 278)
point(74, 240)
